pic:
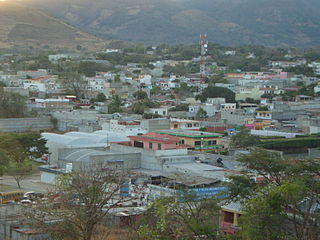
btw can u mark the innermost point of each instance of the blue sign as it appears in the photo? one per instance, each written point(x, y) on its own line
point(202, 193)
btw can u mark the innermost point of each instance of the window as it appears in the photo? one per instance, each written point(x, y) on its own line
point(150, 145)
point(175, 126)
point(182, 141)
point(212, 142)
point(189, 125)
point(197, 143)
point(159, 146)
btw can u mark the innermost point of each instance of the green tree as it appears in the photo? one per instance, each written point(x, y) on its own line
point(101, 97)
point(115, 105)
point(117, 78)
point(151, 115)
point(140, 95)
point(284, 205)
point(244, 139)
point(186, 219)
point(12, 105)
point(180, 107)
point(201, 113)
point(138, 108)
point(16, 159)
point(217, 92)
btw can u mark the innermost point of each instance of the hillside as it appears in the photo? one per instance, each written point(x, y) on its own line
point(229, 22)
point(26, 27)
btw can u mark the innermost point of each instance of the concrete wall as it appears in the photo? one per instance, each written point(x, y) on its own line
point(24, 124)
point(236, 117)
point(313, 153)
point(152, 125)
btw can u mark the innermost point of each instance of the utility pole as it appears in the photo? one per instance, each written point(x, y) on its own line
point(203, 56)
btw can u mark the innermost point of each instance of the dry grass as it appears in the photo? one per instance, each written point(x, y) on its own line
point(25, 26)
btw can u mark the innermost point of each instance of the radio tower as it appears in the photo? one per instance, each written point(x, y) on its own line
point(203, 56)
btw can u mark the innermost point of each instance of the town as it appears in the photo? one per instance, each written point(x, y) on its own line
point(101, 141)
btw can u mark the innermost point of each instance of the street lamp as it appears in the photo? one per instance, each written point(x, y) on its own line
point(201, 139)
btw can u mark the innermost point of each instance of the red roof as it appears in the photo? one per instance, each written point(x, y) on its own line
point(155, 137)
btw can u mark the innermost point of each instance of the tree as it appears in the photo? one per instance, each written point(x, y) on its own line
point(188, 218)
point(16, 160)
point(140, 95)
point(217, 92)
point(244, 139)
point(138, 108)
point(181, 107)
point(72, 79)
point(115, 105)
point(79, 204)
point(11, 105)
point(17, 152)
point(101, 97)
point(151, 115)
point(34, 144)
point(117, 78)
point(201, 113)
point(284, 204)
point(19, 170)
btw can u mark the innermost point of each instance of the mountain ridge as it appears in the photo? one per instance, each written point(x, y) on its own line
point(23, 26)
point(280, 23)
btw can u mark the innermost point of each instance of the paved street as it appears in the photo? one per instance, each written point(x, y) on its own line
point(31, 183)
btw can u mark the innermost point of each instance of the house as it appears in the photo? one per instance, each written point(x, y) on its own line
point(33, 74)
point(230, 214)
point(176, 123)
point(50, 104)
point(210, 109)
point(197, 140)
point(130, 127)
point(160, 111)
point(264, 115)
point(237, 116)
point(155, 141)
point(248, 92)
point(228, 106)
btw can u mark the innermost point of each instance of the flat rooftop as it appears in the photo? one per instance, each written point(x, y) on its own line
point(190, 133)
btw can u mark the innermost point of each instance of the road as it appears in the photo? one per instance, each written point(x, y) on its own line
point(31, 183)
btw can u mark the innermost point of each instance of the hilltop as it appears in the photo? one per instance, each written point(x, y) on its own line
point(281, 23)
point(24, 27)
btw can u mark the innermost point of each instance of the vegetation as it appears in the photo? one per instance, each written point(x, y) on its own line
point(79, 204)
point(100, 98)
point(140, 106)
point(72, 79)
point(17, 152)
point(115, 105)
point(216, 92)
point(201, 113)
point(12, 105)
point(281, 206)
point(140, 95)
point(291, 144)
point(151, 115)
point(171, 219)
point(181, 107)
point(244, 139)
point(184, 90)
point(305, 70)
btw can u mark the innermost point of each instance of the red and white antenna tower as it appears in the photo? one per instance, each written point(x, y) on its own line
point(203, 55)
